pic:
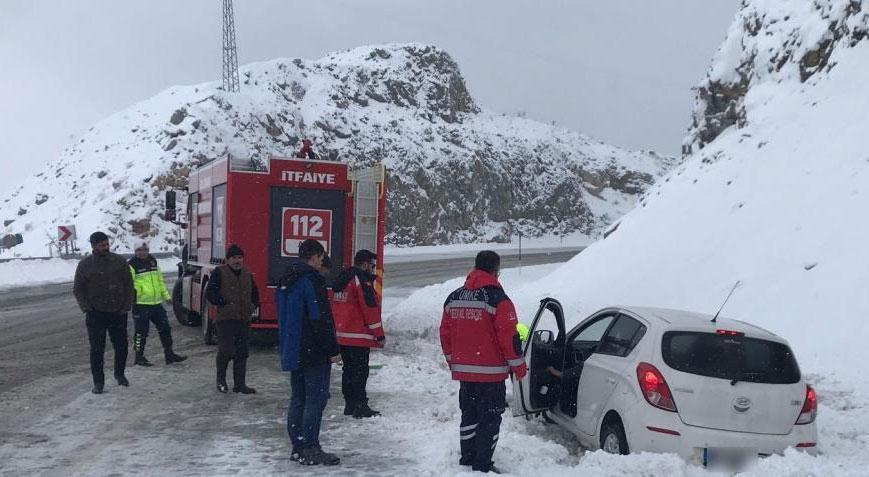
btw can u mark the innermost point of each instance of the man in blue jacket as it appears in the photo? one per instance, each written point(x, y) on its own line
point(308, 348)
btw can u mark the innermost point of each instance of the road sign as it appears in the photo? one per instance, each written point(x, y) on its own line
point(303, 224)
point(65, 233)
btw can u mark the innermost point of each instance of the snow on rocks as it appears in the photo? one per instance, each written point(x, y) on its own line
point(465, 169)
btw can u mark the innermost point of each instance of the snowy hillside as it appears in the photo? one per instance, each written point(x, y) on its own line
point(465, 170)
point(777, 200)
point(778, 203)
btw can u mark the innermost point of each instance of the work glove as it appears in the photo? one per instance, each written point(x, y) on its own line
point(255, 317)
point(520, 371)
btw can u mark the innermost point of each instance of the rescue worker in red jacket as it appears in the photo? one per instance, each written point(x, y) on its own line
point(481, 345)
point(356, 308)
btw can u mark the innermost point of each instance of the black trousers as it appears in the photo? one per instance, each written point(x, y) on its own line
point(482, 405)
point(233, 337)
point(355, 374)
point(98, 324)
point(144, 315)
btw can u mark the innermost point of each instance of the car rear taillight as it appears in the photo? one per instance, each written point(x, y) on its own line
point(810, 407)
point(654, 387)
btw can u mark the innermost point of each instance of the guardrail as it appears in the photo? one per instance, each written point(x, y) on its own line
point(80, 256)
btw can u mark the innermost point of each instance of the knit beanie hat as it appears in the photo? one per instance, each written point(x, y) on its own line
point(234, 251)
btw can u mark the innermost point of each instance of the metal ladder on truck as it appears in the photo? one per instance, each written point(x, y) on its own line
point(368, 189)
point(369, 185)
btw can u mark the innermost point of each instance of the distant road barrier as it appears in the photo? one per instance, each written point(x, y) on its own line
point(79, 257)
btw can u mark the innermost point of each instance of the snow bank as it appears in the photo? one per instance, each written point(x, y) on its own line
point(20, 273)
point(533, 448)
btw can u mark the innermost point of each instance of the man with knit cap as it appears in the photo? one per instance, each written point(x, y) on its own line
point(103, 289)
point(481, 346)
point(232, 290)
point(148, 308)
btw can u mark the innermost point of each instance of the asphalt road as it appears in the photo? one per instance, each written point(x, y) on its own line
point(170, 420)
point(42, 332)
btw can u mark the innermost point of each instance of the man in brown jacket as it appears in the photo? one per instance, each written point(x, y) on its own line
point(103, 289)
point(232, 290)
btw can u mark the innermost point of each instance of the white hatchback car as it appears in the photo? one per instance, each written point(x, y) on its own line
point(631, 379)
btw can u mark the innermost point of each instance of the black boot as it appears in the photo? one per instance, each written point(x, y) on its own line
point(171, 357)
point(98, 389)
point(349, 407)
point(222, 362)
point(316, 456)
point(166, 340)
point(362, 411)
point(139, 347)
point(239, 370)
point(122, 380)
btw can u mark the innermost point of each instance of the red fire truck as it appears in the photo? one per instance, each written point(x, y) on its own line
point(268, 211)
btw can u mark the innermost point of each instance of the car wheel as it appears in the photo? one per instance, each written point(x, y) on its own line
point(612, 438)
point(207, 324)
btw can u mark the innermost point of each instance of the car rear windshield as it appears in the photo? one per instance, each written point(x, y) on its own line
point(736, 358)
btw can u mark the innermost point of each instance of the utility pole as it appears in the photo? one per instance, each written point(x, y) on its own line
point(230, 53)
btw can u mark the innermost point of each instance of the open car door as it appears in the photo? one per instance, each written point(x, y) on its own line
point(539, 390)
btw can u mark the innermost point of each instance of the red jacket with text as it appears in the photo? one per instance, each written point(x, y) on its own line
point(478, 332)
point(356, 310)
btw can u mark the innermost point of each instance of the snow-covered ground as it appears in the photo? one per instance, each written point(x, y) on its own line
point(175, 424)
point(527, 448)
point(19, 273)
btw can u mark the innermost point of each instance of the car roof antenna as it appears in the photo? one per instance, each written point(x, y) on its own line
point(735, 285)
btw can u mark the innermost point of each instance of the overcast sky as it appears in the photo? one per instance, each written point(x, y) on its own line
point(618, 70)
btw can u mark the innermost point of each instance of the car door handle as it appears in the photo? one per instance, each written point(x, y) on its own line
point(611, 380)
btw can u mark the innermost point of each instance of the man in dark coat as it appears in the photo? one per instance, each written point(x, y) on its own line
point(103, 288)
point(308, 348)
point(232, 290)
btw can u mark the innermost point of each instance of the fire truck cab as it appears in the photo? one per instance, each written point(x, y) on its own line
point(268, 211)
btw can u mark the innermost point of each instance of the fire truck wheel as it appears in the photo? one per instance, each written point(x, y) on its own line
point(207, 323)
point(183, 315)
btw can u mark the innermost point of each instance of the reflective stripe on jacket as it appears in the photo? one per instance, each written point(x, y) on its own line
point(478, 331)
point(356, 308)
point(148, 281)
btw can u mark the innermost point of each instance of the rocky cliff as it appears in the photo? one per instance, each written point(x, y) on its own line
point(457, 171)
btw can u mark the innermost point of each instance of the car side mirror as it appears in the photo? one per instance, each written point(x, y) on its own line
point(543, 337)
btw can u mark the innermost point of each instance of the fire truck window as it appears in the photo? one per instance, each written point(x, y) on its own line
point(218, 221)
